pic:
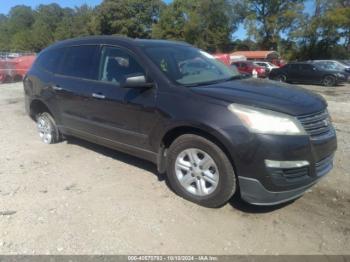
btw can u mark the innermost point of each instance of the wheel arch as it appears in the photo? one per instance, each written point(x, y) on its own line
point(173, 133)
point(37, 106)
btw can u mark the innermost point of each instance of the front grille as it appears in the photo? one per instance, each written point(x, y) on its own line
point(317, 125)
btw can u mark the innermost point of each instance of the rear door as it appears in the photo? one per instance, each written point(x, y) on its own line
point(293, 72)
point(73, 86)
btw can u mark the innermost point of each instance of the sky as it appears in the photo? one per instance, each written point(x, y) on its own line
point(5, 7)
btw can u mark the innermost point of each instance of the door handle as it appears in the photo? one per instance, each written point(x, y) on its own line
point(99, 96)
point(57, 88)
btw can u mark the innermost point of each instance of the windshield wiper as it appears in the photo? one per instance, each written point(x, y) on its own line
point(215, 81)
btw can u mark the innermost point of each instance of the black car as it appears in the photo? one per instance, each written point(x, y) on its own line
point(213, 133)
point(307, 72)
point(334, 65)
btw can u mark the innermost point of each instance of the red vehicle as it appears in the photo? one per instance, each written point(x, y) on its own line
point(225, 58)
point(16, 68)
point(21, 66)
point(247, 67)
point(6, 71)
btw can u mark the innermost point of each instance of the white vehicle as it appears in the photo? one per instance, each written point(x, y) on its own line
point(268, 66)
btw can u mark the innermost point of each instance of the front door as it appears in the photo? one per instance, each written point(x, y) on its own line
point(118, 113)
point(309, 73)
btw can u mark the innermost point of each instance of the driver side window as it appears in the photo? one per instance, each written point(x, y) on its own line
point(116, 65)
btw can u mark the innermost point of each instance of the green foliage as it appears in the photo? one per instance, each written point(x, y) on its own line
point(25, 29)
point(74, 23)
point(208, 24)
point(319, 35)
point(133, 18)
point(282, 25)
point(265, 20)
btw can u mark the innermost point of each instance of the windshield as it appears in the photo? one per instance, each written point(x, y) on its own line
point(189, 66)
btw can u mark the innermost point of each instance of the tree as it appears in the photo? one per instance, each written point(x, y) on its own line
point(20, 18)
point(47, 18)
point(208, 24)
point(319, 34)
point(266, 20)
point(133, 18)
point(75, 22)
point(338, 15)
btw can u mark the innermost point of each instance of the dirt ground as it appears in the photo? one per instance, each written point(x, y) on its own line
point(79, 198)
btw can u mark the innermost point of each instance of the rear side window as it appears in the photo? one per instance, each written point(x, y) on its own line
point(50, 60)
point(79, 61)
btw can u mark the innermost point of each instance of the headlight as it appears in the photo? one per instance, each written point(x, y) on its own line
point(267, 122)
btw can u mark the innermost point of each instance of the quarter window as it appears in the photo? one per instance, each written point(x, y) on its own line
point(50, 60)
point(116, 65)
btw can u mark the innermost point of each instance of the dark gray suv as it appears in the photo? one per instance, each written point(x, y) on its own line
point(213, 133)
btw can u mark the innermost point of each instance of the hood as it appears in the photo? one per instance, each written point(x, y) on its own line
point(266, 94)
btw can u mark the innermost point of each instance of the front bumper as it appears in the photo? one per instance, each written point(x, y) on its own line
point(264, 185)
point(252, 191)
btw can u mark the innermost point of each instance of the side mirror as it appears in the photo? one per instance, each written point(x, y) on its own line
point(137, 82)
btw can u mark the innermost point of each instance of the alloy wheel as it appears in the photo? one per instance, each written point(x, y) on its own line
point(197, 172)
point(45, 129)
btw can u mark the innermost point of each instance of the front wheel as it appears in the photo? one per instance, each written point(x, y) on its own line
point(199, 171)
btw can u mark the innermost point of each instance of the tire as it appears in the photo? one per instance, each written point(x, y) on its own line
point(17, 78)
point(210, 185)
point(282, 78)
point(329, 81)
point(8, 79)
point(47, 128)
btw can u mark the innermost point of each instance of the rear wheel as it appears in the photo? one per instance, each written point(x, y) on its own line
point(282, 78)
point(47, 128)
point(199, 171)
point(329, 81)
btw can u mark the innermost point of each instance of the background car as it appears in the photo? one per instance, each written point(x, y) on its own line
point(236, 72)
point(334, 65)
point(346, 62)
point(267, 65)
point(307, 72)
point(247, 67)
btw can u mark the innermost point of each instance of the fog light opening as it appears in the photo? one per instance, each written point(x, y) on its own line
point(286, 164)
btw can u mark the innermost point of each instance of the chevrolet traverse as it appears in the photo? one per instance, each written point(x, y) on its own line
point(211, 131)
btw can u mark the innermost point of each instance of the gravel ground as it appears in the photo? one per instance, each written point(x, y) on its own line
point(79, 198)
